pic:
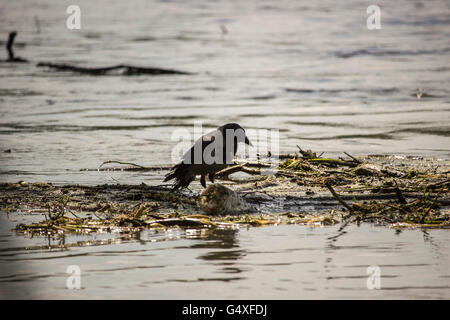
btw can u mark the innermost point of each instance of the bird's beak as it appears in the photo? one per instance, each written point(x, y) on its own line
point(248, 142)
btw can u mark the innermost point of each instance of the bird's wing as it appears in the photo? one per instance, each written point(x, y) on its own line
point(201, 144)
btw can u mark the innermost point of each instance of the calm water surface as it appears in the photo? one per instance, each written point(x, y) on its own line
point(312, 70)
point(280, 262)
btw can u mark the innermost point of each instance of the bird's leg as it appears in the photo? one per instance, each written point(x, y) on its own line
point(203, 180)
point(211, 177)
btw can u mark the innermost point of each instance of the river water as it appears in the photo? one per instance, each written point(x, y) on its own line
point(280, 262)
point(311, 70)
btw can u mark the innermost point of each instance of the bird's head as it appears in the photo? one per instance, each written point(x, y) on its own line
point(237, 131)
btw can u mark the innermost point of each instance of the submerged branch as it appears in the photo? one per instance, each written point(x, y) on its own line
point(121, 68)
point(10, 49)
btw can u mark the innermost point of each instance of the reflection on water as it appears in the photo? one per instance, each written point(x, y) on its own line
point(287, 261)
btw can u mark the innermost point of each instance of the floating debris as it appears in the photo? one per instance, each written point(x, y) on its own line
point(217, 199)
point(385, 190)
point(120, 69)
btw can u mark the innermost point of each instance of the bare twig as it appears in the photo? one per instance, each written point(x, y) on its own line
point(437, 184)
point(120, 162)
point(257, 165)
point(397, 208)
point(337, 197)
point(332, 162)
point(430, 207)
point(354, 159)
point(308, 154)
point(227, 171)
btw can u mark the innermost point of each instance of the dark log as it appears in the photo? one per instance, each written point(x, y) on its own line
point(126, 70)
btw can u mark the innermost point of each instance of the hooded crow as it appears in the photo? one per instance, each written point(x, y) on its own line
point(210, 154)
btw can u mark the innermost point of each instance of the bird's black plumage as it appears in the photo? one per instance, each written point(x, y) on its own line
point(210, 153)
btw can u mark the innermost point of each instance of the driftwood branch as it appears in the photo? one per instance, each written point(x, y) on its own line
point(308, 154)
point(245, 167)
point(230, 170)
point(337, 197)
point(333, 162)
point(122, 68)
point(354, 159)
point(430, 207)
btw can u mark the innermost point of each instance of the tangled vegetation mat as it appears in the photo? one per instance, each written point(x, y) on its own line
point(306, 189)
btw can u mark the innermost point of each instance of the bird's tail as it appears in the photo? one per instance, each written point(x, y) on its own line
point(182, 175)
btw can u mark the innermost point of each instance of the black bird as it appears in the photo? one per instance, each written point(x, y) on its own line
point(210, 153)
